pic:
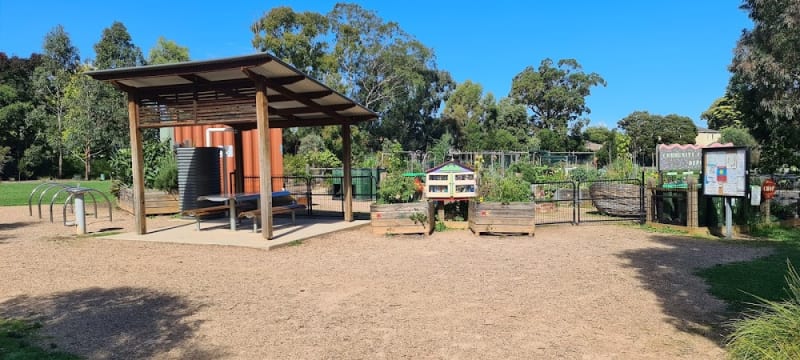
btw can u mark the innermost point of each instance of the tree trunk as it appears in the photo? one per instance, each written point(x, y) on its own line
point(60, 150)
point(87, 157)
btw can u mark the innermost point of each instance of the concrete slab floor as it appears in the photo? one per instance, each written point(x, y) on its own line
point(217, 232)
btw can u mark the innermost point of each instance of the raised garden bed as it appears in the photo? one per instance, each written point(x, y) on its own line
point(156, 202)
point(403, 218)
point(495, 217)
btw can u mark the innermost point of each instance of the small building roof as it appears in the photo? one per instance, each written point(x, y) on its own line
point(706, 130)
point(592, 146)
point(451, 166)
point(222, 91)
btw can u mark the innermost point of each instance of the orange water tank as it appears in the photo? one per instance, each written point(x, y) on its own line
point(195, 136)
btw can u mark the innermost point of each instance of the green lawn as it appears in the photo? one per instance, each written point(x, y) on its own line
point(16, 342)
point(17, 192)
point(736, 283)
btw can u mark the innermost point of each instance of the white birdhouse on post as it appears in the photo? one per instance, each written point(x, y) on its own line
point(450, 180)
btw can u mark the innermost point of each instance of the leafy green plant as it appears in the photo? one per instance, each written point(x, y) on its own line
point(532, 173)
point(324, 158)
point(772, 331)
point(396, 188)
point(295, 165)
point(440, 226)
point(584, 174)
point(620, 168)
point(166, 178)
point(507, 189)
point(156, 154)
point(419, 218)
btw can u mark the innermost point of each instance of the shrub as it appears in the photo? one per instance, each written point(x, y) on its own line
point(295, 165)
point(504, 189)
point(582, 173)
point(166, 178)
point(324, 159)
point(154, 154)
point(773, 330)
point(533, 173)
point(396, 188)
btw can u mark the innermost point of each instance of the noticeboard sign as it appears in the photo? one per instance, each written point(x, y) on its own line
point(725, 171)
point(679, 157)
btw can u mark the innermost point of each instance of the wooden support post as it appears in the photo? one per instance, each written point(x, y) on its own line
point(264, 158)
point(137, 165)
point(347, 180)
point(238, 156)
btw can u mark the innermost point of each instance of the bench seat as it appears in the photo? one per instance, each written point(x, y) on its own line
point(199, 212)
point(283, 209)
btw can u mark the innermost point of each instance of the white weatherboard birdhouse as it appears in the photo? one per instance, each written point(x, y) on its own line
point(450, 180)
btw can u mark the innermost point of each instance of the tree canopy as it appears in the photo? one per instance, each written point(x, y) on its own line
point(370, 60)
point(647, 130)
point(765, 69)
point(116, 49)
point(167, 52)
point(556, 95)
point(722, 113)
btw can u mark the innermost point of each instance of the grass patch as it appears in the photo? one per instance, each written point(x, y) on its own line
point(16, 337)
point(17, 192)
point(662, 230)
point(771, 331)
point(295, 243)
point(740, 283)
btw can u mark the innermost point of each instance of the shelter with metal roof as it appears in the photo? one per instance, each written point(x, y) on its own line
point(247, 92)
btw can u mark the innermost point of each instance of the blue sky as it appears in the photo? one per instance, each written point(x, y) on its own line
point(660, 56)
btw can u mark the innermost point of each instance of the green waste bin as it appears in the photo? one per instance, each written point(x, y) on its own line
point(364, 183)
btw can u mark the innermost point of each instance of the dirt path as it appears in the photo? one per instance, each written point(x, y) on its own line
point(571, 292)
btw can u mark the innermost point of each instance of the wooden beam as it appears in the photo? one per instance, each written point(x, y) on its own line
point(222, 85)
point(278, 86)
point(347, 181)
point(238, 156)
point(308, 110)
point(251, 123)
point(310, 95)
point(137, 157)
point(264, 159)
point(287, 80)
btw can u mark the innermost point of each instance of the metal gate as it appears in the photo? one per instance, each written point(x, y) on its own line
point(576, 202)
point(555, 202)
point(323, 194)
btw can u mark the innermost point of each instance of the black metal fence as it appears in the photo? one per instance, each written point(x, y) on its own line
point(555, 202)
point(670, 207)
point(323, 194)
point(575, 202)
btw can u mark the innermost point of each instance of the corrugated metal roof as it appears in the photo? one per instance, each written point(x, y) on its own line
point(171, 94)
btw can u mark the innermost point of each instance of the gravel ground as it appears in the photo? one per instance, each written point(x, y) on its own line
point(572, 292)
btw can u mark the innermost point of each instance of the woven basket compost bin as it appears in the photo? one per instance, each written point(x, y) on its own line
point(616, 199)
point(496, 217)
point(404, 218)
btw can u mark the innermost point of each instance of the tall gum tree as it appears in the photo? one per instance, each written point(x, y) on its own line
point(555, 95)
point(366, 58)
point(60, 62)
point(766, 79)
